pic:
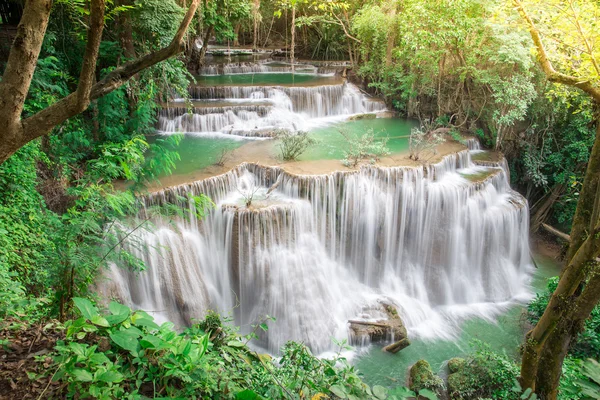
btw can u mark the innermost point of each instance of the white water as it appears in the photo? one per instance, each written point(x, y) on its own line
point(263, 67)
point(320, 249)
point(292, 108)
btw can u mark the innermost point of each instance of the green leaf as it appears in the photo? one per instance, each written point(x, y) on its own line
point(87, 309)
point(82, 375)
point(235, 343)
point(147, 323)
point(99, 358)
point(110, 377)
point(402, 393)
point(100, 321)
point(127, 340)
point(118, 308)
point(380, 392)
point(77, 348)
point(428, 394)
point(247, 395)
point(151, 342)
point(339, 391)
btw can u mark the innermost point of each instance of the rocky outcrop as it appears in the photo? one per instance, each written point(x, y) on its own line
point(422, 377)
point(384, 330)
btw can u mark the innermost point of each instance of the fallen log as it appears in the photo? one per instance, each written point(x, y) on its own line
point(556, 232)
point(397, 346)
point(378, 324)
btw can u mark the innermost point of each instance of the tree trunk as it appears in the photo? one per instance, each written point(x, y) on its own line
point(391, 42)
point(255, 15)
point(293, 28)
point(542, 212)
point(572, 301)
point(582, 221)
point(204, 46)
point(578, 289)
point(126, 31)
point(22, 60)
point(236, 34)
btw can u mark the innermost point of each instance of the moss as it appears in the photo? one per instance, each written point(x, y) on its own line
point(362, 116)
point(457, 384)
point(422, 377)
point(456, 364)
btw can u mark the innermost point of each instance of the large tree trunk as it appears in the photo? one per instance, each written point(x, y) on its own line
point(16, 80)
point(573, 300)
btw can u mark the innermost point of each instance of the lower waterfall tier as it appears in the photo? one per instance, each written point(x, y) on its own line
point(316, 251)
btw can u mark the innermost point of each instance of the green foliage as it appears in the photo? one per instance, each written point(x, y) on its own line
point(485, 374)
point(587, 344)
point(422, 379)
point(365, 147)
point(424, 141)
point(293, 144)
point(126, 354)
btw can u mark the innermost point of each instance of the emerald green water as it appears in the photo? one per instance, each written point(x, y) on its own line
point(198, 152)
point(331, 143)
point(381, 368)
point(266, 79)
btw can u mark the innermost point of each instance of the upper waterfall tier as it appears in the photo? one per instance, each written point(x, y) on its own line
point(294, 108)
point(313, 251)
point(262, 67)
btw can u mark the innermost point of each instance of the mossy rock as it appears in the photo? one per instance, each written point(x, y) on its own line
point(457, 383)
point(422, 377)
point(456, 364)
point(362, 116)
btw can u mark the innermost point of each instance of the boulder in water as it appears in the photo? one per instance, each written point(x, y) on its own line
point(382, 330)
point(422, 377)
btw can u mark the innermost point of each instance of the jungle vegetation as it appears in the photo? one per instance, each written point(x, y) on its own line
point(81, 84)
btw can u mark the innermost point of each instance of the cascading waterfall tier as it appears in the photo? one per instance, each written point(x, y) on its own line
point(292, 108)
point(316, 251)
point(262, 67)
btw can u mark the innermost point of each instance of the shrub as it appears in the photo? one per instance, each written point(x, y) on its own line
point(484, 374)
point(422, 377)
point(364, 147)
point(423, 141)
point(126, 354)
point(293, 144)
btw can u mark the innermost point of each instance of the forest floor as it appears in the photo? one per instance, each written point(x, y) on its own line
point(24, 360)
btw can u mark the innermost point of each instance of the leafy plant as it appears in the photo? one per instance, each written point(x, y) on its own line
point(126, 354)
point(366, 147)
point(423, 141)
point(293, 144)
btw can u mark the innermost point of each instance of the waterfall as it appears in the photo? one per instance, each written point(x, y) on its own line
point(315, 251)
point(293, 108)
point(258, 67)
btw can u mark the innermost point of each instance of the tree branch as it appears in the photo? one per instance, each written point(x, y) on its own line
point(547, 67)
point(43, 122)
point(20, 67)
